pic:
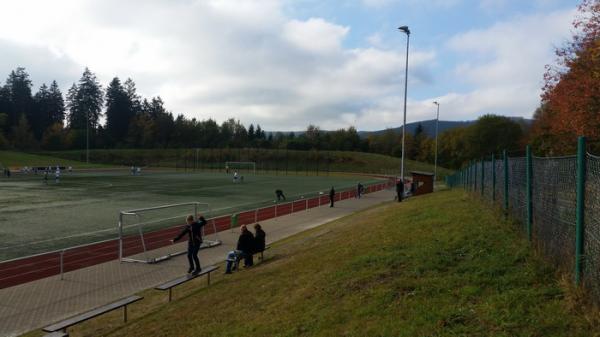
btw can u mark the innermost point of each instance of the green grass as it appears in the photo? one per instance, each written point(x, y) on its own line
point(20, 159)
point(437, 265)
point(266, 159)
point(84, 206)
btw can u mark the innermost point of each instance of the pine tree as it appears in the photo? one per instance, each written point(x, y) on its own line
point(39, 113)
point(118, 111)
point(56, 111)
point(19, 85)
point(85, 102)
point(48, 109)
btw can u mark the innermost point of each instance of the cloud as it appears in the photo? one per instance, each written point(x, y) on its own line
point(430, 3)
point(211, 59)
point(248, 60)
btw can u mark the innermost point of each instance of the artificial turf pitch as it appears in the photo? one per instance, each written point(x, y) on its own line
point(84, 206)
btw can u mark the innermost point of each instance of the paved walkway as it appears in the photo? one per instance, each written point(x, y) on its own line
point(36, 304)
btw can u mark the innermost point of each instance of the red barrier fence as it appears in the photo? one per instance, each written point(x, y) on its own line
point(36, 267)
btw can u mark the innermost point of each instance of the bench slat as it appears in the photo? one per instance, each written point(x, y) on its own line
point(91, 314)
point(57, 334)
point(183, 279)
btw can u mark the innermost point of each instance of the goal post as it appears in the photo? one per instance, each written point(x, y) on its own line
point(145, 233)
point(248, 166)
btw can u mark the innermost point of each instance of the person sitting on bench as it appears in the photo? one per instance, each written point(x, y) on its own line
point(246, 246)
point(244, 250)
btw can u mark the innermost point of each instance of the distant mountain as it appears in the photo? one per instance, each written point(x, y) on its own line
point(428, 127)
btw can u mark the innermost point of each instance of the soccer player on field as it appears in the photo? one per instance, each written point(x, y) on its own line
point(279, 194)
point(235, 176)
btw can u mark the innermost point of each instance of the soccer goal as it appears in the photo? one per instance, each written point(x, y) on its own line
point(145, 233)
point(242, 166)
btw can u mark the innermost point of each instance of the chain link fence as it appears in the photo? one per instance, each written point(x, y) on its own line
point(555, 199)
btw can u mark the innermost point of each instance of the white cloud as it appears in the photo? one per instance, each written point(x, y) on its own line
point(315, 35)
point(221, 59)
point(210, 59)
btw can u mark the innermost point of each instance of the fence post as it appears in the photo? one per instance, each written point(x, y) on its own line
point(529, 178)
point(482, 177)
point(493, 178)
point(579, 224)
point(505, 159)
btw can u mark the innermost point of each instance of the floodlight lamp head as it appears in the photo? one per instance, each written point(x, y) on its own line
point(405, 29)
point(436, 103)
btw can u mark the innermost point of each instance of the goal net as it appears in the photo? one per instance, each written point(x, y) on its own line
point(241, 166)
point(145, 234)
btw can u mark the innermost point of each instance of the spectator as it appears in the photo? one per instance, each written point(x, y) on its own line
point(193, 230)
point(233, 259)
point(259, 239)
point(246, 245)
point(399, 189)
point(359, 190)
point(331, 196)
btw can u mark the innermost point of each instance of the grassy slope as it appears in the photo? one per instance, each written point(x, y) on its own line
point(19, 159)
point(342, 161)
point(438, 265)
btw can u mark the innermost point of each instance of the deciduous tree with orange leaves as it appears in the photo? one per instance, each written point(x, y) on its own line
point(571, 93)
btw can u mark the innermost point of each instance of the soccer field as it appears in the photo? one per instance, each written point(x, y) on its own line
point(83, 207)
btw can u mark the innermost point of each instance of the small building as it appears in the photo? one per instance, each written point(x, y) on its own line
point(422, 182)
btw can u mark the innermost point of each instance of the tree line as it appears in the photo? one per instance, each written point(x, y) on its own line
point(116, 116)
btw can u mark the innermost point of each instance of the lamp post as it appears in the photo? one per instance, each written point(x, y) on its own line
point(87, 138)
point(437, 121)
point(404, 29)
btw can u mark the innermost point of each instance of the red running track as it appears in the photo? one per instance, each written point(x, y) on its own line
point(33, 268)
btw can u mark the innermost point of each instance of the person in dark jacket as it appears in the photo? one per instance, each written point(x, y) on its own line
point(400, 189)
point(193, 230)
point(359, 190)
point(259, 239)
point(246, 245)
point(279, 195)
point(331, 196)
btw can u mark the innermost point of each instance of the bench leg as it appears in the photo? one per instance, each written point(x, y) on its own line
point(208, 278)
point(170, 294)
point(125, 313)
point(261, 256)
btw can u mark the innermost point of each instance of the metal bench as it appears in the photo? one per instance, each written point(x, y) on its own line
point(57, 334)
point(63, 325)
point(173, 283)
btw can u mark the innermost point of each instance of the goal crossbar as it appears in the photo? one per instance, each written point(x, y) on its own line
point(140, 224)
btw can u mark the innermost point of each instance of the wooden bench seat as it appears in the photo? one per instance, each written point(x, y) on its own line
point(183, 279)
point(63, 325)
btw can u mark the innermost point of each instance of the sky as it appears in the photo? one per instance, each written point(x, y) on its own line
point(285, 64)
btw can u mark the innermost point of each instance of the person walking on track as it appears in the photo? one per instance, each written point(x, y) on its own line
point(331, 196)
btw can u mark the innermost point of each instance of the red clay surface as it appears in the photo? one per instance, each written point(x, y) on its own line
point(34, 268)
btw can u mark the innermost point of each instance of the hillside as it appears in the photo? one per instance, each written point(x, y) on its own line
point(291, 161)
point(438, 265)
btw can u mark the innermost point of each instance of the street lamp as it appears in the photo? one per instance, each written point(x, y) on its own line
point(437, 121)
point(87, 138)
point(404, 29)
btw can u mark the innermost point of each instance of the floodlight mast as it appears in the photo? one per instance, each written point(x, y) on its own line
point(437, 122)
point(405, 30)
